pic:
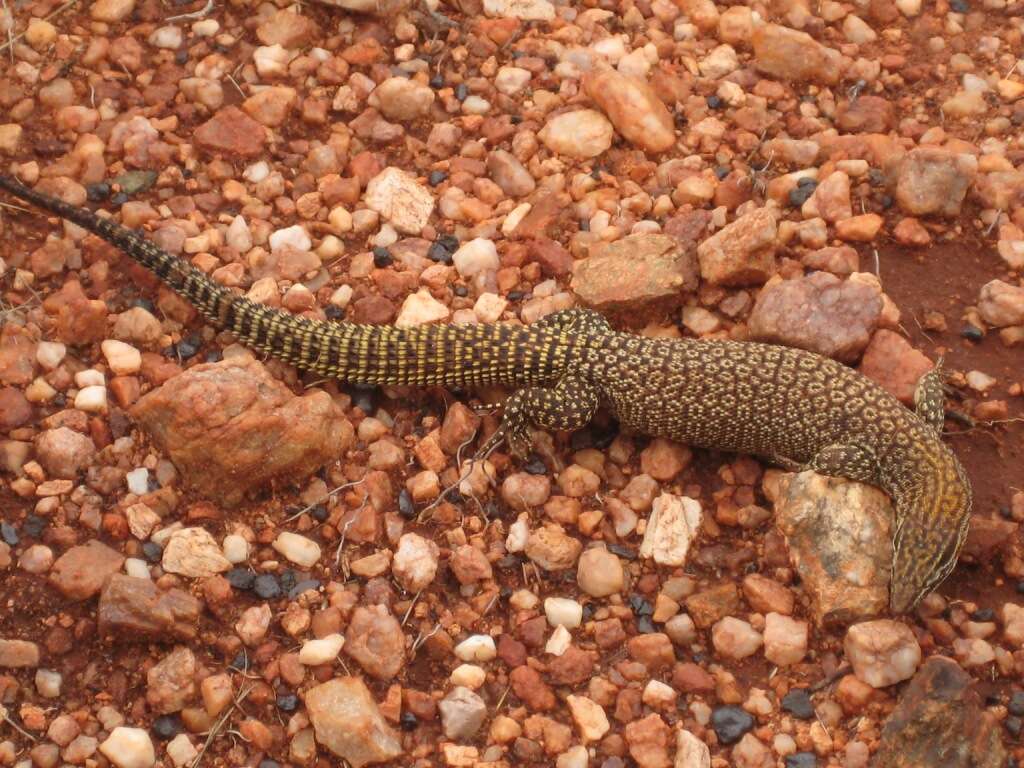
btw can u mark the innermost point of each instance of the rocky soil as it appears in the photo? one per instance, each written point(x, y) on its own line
point(210, 559)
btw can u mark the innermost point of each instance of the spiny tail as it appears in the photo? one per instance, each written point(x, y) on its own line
point(362, 354)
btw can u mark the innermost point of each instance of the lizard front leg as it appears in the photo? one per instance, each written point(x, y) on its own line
point(569, 405)
point(930, 398)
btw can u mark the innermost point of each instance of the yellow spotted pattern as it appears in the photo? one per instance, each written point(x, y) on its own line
point(792, 407)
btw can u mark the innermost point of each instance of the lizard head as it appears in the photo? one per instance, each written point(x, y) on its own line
point(932, 519)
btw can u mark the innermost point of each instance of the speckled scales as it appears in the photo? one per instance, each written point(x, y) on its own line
point(784, 404)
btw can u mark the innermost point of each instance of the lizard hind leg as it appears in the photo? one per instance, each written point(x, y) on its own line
point(568, 406)
point(930, 398)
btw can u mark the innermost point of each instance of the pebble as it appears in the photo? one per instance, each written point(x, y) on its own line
point(561, 611)
point(323, 650)
point(348, 722)
point(476, 648)
point(1001, 304)
point(462, 713)
point(415, 562)
point(193, 552)
point(599, 573)
point(785, 639)
point(400, 199)
point(731, 723)
point(671, 528)
point(421, 308)
point(92, 399)
point(582, 134)
point(129, 748)
point(475, 257)
point(297, 549)
point(236, 549)
point(882, 652)
point(589, 717)
point(735, 638)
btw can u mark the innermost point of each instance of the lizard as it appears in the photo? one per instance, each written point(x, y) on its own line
point(794, 408)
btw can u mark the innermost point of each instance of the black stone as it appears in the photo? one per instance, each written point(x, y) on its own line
point(187, 347)
point(802, 760)
point(405, 506)
point(640, 606)
point(886, 201)
point(266, 586)
point(241, 578)
point(983, 614)
point(437, 81)
point(461, 92)
point(382, 257)
point(240, 662)
point(960, 6)
point(436, 177)
point(722, 171)
point(516, 295)
point(798, 703)
point(801, 194)
point(715, 101)
point(119, 199)
point(181, 57)
point(33, 526)
point(289, 579)
point(731, 723)
point(461, 291)
point(97, 192)
point(1016, 705)
point(515, 119)
point(409, 721)
point(268, 763)
point(213, 356)
point(145, 304)
point(536, 466)
point(287, 702)
point(972, 333)
point(167, 726)
point(645, 626)
point(622, 551)
point(319, 513)
point(152, 551)
point(440, 254)
point(9, 534)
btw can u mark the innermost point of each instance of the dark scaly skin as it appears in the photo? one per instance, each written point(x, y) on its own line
point(796, 408)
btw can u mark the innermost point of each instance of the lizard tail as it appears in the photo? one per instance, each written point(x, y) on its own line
point(357, 353)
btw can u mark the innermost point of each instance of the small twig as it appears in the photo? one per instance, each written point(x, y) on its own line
point(219, 725)
point(9, 22)
point(501, 700)
point(7, 719)
point(14, 207)
point(995, 221)
point(421, 639)
point(200, 14)
point(330, 495)
point(411, 606)
point(237, 86)
point(825, 683)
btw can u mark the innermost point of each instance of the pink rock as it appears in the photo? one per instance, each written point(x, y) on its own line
point(934, 181)
point(633, 107)
point(230, 427)
point(231, 132)
point(81, 571)
point(741, 253)
point(894, 363)
point(634, 271)
point(794, 56)
point(819, 313)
